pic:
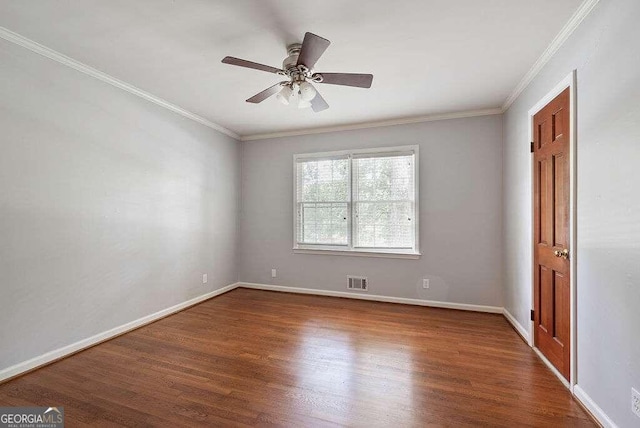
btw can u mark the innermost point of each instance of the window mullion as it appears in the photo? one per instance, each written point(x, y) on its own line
point(353, 230)
point(296, 196)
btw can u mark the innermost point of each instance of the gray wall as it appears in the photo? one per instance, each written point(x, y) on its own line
point(460, 214)
point(604, 50)
point(111, 208)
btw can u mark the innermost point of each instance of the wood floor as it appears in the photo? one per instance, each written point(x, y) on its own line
point(259, 358)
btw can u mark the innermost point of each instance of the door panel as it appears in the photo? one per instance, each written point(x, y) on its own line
point(543, 201)
point(546, 289)
point(561, 198)
point(561, 326)
point(551, 232)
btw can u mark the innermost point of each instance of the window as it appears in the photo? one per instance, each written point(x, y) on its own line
point(357, 202)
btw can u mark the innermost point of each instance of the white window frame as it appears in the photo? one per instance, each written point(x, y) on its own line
point(349, 250)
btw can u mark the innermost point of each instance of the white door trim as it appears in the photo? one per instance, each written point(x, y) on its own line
point(567, 82)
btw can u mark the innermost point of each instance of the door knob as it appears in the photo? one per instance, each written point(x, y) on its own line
point(562, 253)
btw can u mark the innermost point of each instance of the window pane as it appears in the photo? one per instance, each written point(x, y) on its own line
point(323, 195)
point(323, 181)
point(384, 202)
point(384, 178)
point(384, 224)
point(324, 223)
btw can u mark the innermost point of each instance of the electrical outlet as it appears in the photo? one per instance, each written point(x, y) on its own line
point(204, 278)
point(635, 402)
point(425, 283)
point(274, 273)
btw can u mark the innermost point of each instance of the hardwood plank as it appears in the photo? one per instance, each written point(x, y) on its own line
point(259, 358)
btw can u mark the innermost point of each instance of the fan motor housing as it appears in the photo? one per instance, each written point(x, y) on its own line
point(291, 61)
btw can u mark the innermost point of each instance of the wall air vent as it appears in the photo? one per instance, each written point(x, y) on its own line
point(357, 283)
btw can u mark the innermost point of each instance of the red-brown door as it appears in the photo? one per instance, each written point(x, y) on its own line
point(551, 233)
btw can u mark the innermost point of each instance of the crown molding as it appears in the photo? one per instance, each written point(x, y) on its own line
point(19, 40)
point(585, 8)
point(376, 124)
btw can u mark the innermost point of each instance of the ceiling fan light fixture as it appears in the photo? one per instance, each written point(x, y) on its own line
point(285, 95)
point(307, 91)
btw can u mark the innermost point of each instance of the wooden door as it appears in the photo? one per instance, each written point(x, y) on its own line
point(551, 232)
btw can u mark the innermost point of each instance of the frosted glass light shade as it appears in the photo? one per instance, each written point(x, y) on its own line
point(307, 91)
point(285, 95)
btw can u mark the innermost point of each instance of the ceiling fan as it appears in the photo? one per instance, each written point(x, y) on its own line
point(298, 67)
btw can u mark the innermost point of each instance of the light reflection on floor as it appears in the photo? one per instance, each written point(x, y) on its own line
point(337, 363)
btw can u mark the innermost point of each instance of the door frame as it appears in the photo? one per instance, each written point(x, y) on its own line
point(568, 82)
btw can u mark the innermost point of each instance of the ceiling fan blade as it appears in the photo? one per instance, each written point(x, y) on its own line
point(250, 64)
point(312, 49)
point(261, 96)
point(347, 79)
point(318, 103)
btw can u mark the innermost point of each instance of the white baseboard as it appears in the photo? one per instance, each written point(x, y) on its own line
point(554, 370)
point(59, 353)
point(577, 392)
point(595, 410)
point(519, 328)
point(373, 297)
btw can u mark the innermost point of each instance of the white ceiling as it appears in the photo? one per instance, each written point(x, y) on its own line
point(427, 56)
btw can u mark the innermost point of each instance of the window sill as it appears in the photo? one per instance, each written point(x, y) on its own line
point(358, 253)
